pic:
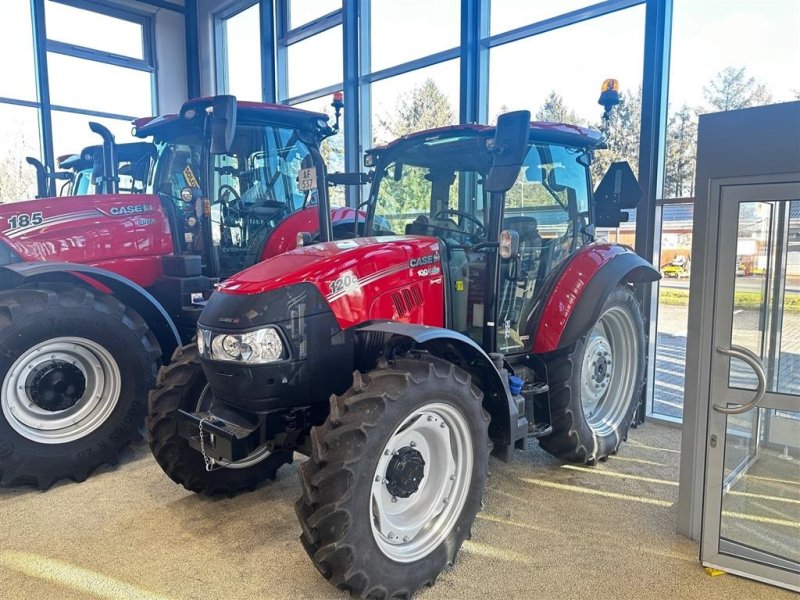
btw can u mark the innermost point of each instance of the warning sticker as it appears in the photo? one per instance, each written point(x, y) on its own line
point(188, 175)
point(307, 179)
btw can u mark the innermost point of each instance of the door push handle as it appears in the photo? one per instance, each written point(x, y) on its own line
point(749, 357)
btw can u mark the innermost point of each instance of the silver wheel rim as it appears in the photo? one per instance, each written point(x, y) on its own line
point(608, 371)
point(258, 455)
point(24, 407)
point(408, 529)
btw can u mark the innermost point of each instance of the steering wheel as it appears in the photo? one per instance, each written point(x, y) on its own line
point(479, 232)
point(236, 204)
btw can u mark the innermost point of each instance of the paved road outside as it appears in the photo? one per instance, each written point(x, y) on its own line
point(671, 355)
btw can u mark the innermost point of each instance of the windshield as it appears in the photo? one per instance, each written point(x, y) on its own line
point(436, 189)
point(254, 186)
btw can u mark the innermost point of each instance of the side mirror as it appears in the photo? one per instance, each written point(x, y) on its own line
point(618, 190)
point(223, 123)
point(510, 148)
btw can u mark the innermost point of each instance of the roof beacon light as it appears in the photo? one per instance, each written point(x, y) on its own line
point(609, 98)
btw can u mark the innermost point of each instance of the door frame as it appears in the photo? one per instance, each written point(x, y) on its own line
point(699, 349)
point(722, 554)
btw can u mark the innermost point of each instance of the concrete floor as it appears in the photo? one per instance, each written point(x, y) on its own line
point(548, 531)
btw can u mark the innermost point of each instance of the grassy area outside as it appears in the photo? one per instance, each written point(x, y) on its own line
point(742, 299)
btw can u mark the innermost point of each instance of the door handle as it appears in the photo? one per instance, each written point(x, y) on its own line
point(749, 357)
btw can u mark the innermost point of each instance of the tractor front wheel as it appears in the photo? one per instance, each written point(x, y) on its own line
point(182, 385)
point(75, 369)
point(395, 479)
point(595, 389)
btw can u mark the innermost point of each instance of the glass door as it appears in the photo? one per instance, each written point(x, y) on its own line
point(751, 511)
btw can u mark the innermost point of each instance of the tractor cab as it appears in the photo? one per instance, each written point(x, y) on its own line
point(228, 172)
point(432, 183)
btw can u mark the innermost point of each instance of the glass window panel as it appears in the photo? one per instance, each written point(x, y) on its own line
point(402, 30)
point(305, 11)
point(243, 39)
point(16, 40)
point(789, 360)
point(332, 148)
point(19, 137)
point(673, 309)
point(413, 101)
point(315, 63)
point(93, 30)
point(91, 85)
point(752, 62)
point(71, 132)
point(506, 15)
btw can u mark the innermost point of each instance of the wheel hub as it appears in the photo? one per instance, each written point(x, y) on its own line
point(56, 386)
point(405, 472)
point(60, 390)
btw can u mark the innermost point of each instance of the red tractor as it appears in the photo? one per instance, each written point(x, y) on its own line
point(85, 174)
point(477, 312)
point(96, 291)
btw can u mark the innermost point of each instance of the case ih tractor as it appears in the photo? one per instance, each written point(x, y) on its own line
point(97, 290)
point(85, 173)
point(476, 313)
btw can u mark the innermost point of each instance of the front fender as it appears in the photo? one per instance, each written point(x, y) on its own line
point(128, 292)
point(507, 429)
point(578, 296)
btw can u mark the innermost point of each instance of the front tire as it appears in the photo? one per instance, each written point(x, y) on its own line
point(181, 385)
point(75, 369)
point(595, 389)
point(395, 479)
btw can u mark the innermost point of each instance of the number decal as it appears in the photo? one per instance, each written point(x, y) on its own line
point(23, 220)
point(346, 282)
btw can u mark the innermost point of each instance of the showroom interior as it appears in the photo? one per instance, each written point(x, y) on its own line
point(316, 309)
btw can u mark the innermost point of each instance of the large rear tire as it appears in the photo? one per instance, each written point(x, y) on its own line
point(595, 389)
point(395, 479)
point(181, 385)
point(75, 369)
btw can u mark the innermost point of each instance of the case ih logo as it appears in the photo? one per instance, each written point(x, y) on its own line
point(132, 209)
point(428, 259)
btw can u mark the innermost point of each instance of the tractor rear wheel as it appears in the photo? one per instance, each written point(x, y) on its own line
point(75, 369)
point(182, 385)
point(595, 389)
point(395, 479)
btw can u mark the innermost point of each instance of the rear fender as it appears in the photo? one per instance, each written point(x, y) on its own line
point(578, 296)
point(19, 274)
point(507, 429)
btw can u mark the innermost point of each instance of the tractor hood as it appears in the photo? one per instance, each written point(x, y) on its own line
point(397, 277)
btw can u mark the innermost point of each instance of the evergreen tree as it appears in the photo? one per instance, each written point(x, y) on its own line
point(622, 135)
point(424, 107)
point(555, 110)
point(680, 157)
point(731, 89)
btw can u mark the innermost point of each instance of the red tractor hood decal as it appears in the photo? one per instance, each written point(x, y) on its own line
point(357, 277)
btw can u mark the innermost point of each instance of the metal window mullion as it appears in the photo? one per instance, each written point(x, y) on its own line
point(655, 82)
point(98, 56)
point(364, 122)
point(570, 18)
point(267, 31)
point(91, 113)
point(192, 35)
point(323, 23)
point(350, 85)
point(164, 4)
point(42, 83)
point(474, 61)
point(281, 68)
point(221, 82)
point(108, 9)
point(18, 102)
point(313, 95)
point(413, 65)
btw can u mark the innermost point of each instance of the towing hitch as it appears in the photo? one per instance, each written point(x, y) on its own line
point(217, 439)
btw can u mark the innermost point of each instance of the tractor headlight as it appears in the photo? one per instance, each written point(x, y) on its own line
point(254, 347)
